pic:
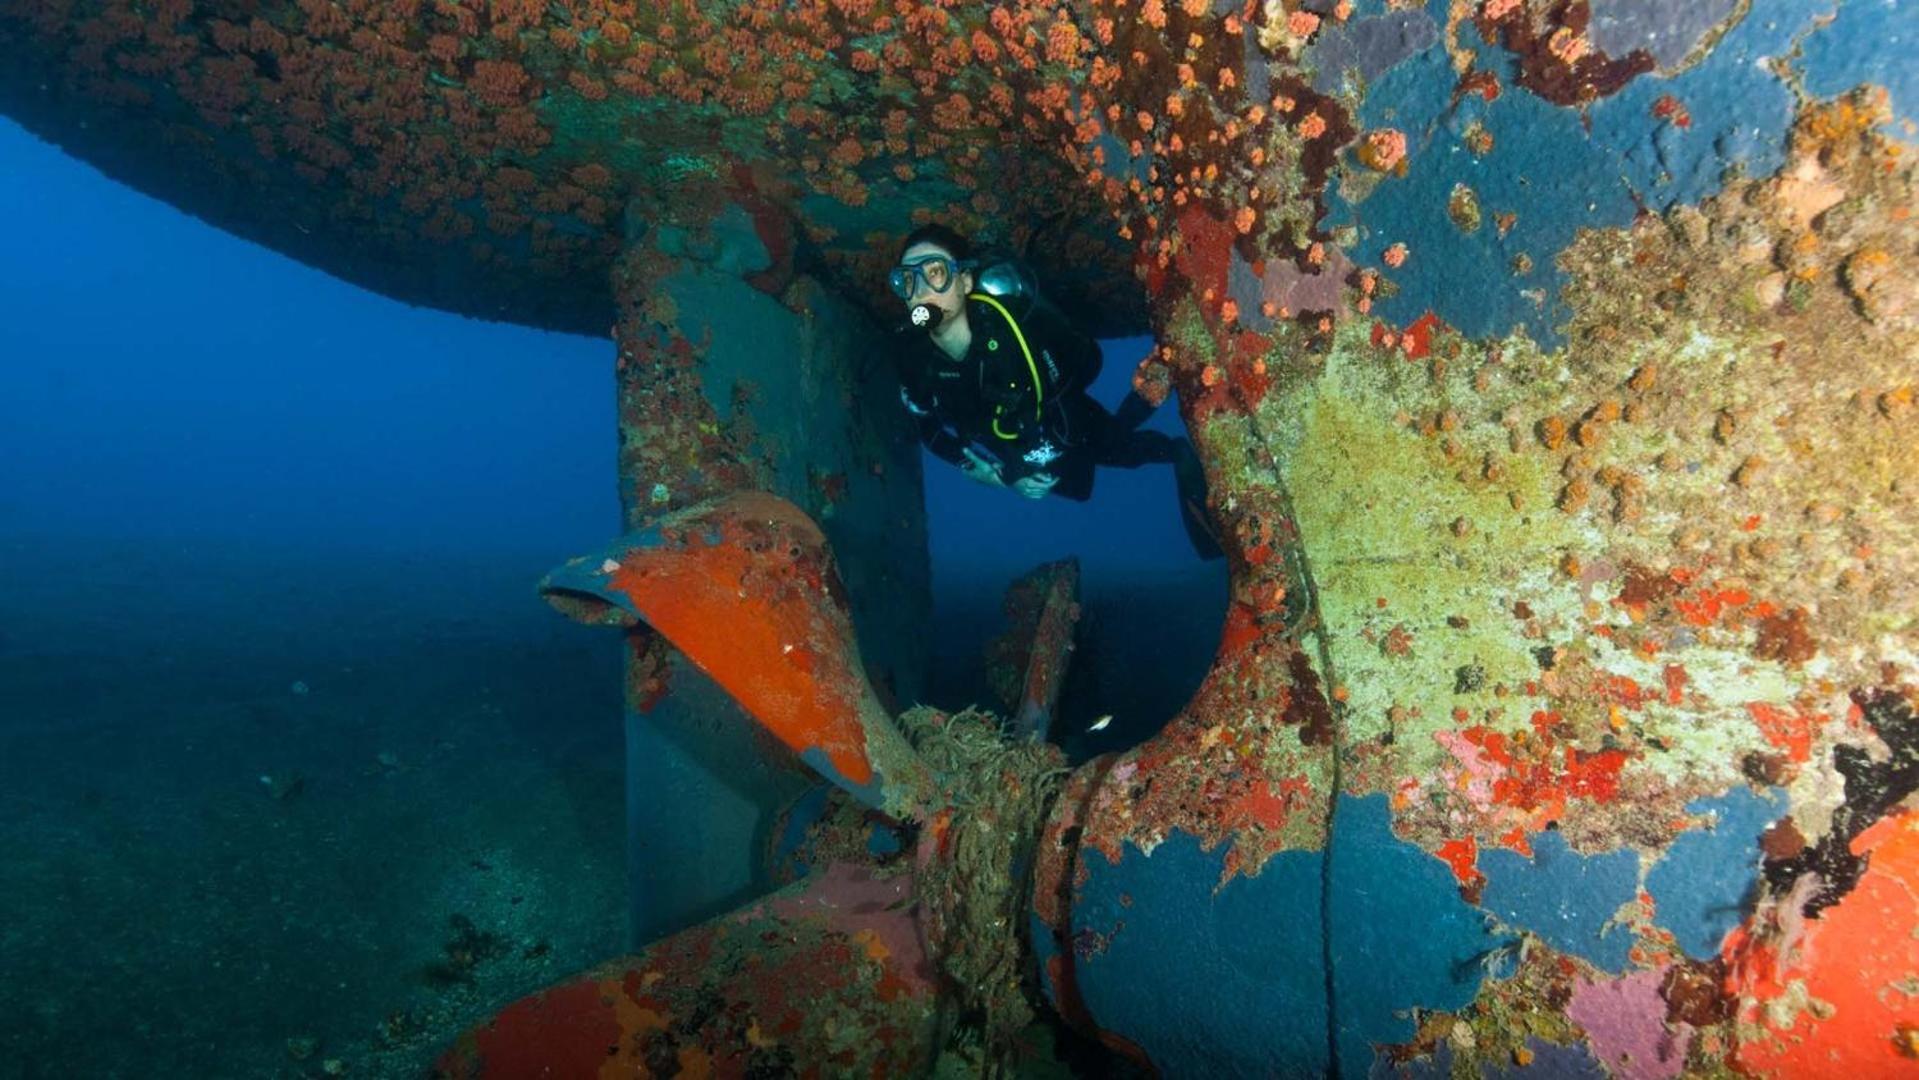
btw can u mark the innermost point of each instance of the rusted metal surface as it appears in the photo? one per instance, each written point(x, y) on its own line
point(745, 587)
point(733, 371)
point(825, 977)
point(1027, 662)
point(1587, 633)
point(489, 158)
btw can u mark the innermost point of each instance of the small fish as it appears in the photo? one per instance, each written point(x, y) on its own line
point(1100, 724)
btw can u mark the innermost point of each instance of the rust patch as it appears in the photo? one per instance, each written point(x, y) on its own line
point(1557, 60)
point(1306, 706)
point(1694, 994)
point(1783, 840)
point(1783, 637)
point(1642, 586)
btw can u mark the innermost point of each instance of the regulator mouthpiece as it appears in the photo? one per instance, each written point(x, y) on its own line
point(926, 317)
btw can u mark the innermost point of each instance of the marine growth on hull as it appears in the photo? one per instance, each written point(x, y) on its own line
point(1550, 368)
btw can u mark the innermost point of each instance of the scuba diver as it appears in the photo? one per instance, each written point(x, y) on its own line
point(997, 379)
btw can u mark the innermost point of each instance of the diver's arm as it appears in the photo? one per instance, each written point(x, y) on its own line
point(933, 434)
point(923, 405)
point(941, 443)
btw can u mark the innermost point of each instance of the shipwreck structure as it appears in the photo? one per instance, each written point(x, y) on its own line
point(1552, 362)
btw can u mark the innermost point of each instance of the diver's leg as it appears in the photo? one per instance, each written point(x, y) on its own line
point(1129, 449)
point(1102, 428)
point(1132, 411)
point(1190, 477)
point(1075, 473)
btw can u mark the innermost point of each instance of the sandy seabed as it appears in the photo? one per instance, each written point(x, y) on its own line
point(273, 814)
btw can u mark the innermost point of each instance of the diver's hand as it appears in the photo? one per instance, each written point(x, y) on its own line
point(1035, 486)
point(982, 468)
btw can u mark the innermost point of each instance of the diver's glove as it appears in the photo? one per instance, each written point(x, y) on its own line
point(984, 469)
point(1035, 485)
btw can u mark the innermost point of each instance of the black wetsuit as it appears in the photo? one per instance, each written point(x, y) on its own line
point(1031, 416)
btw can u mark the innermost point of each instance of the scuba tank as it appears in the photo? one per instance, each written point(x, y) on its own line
point(1008, 281)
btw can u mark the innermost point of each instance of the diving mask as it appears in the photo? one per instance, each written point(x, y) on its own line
point(937, 271)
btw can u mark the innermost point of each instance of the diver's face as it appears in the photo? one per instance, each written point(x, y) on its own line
point(928, 267)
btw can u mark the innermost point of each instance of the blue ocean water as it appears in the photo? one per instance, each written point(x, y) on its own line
point(278, 703)
point(280, 713)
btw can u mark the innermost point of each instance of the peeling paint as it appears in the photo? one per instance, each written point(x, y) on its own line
point(1706, 882)
point(1570, 900)
point(1625, 1021)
